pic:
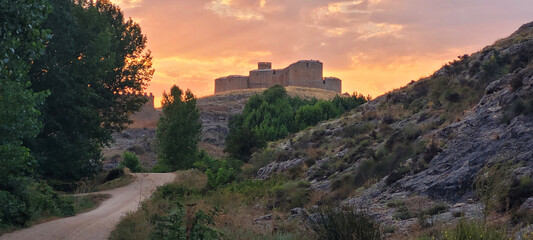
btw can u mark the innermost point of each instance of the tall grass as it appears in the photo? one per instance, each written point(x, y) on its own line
point(346, 224)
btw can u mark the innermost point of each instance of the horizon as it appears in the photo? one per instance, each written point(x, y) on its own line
point(373, 46)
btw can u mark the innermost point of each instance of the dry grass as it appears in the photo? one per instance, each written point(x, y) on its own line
point(293, 91)
point(122, 181)
point(191, 178)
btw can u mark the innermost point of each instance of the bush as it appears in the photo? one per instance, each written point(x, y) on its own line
point(465, 230)
point(130, 161)
point(492, 186)
point(114, 174)
point(343, 225)
point(436, 209)
point(219, 172)
point(13, 211)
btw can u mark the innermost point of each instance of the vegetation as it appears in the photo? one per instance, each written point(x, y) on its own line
point(273, 114)
point(218, 172)
point(469, 230)
point(95, 69)
point(22, 41)
point(70, 74)
point(344, 225)
point(130, 161)
point(178, 131)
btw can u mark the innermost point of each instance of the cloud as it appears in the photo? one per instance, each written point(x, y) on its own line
point(374, 45)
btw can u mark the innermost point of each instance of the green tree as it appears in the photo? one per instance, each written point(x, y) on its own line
point(21, 42)
point(130, 161)
point(96, 69)
point(178, 131)
point(273, 115)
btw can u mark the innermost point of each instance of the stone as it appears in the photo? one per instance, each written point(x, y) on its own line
point(263, 218)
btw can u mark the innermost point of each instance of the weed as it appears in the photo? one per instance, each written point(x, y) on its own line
point(343, 225)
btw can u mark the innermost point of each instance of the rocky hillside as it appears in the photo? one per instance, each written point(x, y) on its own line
point(457, 143)
point(216, 110)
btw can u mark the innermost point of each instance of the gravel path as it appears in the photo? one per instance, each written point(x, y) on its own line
point(98, 223)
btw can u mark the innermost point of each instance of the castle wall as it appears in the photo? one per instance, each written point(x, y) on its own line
point(332, 84)
point(305, 74)
point(262, 78)
point(231, 83)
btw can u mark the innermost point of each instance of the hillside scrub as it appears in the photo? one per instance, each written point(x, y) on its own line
point(273, 115)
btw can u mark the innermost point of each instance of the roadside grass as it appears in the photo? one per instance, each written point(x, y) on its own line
point(235, 205)
point(80, 204)
point(122, 181)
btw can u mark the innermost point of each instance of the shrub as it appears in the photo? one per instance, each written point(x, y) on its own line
point(343, 225)
point(114, 174)
point(402, 213)
point(130, 161)
point(492, 186)
point(436, 209)
point(521, 189)
point(219, 172)
point(471, 230)
point(13, 211)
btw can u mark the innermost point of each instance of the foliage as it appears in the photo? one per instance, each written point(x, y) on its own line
point(96, 70)
point(22, 41)
point(219, 172)
point(178, 130)
point(465, 230)
point(179, 226)
point(492, 186)
point(130, 161)
point(276, 193)
point(164, 216)
point(273, 114)
point(343, 224)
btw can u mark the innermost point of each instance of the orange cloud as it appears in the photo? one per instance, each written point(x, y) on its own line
point(374, 46)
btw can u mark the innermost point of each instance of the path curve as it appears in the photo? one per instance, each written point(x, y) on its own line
point(98, 223)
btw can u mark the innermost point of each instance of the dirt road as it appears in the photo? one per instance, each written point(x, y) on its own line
point(98, 223)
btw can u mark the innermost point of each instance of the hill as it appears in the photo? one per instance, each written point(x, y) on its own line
point(216, 110)
point(457, 143)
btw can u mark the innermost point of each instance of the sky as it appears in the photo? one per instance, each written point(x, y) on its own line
point(374, 46)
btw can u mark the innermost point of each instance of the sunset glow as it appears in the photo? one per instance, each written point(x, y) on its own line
point(374, 46)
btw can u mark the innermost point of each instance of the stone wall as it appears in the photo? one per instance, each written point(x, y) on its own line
point(305, 73)
point(332, 84)
point(229, 83)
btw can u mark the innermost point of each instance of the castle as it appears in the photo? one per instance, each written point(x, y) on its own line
point(304, 73)
point(147, 116)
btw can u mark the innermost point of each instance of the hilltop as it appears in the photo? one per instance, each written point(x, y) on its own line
point(456, 143)
point(215, 110)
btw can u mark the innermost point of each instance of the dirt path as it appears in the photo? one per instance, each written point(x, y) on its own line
point(98, 223)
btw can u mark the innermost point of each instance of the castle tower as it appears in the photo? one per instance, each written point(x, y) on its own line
point(264, 65)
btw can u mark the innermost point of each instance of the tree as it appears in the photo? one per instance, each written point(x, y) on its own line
point(178, 131)
point(21, 42)
point(96, 69)
point(273, 115)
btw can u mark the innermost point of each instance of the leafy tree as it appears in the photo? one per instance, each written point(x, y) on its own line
point(273, 115)
point(21, 42)
point(308, 115)
point(131, 161)
point(96, 69)
point(178, 131)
